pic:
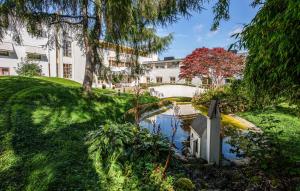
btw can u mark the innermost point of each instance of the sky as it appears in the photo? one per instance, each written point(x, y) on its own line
point(194, 32)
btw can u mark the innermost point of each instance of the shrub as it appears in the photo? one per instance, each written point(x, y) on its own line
point(184, 184)
point(127, 158)
point(179, 99)
point(29, 68)
point(233, 98)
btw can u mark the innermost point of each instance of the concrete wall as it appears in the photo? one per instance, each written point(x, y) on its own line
point(203, 145)
point(164, 91)
point(194, 137)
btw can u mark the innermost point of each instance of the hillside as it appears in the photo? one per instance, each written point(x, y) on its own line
point(44, 123)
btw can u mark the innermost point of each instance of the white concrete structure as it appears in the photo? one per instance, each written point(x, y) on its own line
point(166, 72)
point(205, 140)
point(165, 91)
point(11, 54)
point(65, 62)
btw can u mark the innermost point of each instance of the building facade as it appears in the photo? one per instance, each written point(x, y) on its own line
point(68, 61)
point(166, 72)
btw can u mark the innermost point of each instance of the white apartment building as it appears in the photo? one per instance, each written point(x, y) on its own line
point(65, 62)
point(166, 72)
point(69, 61)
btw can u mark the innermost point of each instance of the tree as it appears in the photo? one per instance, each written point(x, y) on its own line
point(215, 63)
point(272, 40)
point(121, 22)
point(29, 68)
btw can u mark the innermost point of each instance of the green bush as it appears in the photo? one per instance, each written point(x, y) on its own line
point(233, 98)
point(128, 158)
point(29, 68)
point(179, 99)
point(184, 184)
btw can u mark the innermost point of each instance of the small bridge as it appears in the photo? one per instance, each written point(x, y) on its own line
point(165, 91)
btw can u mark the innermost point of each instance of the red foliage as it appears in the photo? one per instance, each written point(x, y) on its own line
point(215, 63)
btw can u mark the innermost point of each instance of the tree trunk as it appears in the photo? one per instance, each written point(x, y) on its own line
point(91, 43)
point(89, 69)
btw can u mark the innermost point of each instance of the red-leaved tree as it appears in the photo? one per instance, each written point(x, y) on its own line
point(215, 63)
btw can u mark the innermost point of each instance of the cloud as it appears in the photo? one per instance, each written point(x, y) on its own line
point(199, 39)
point(212, 33)
point(198, 28)
point(236, 30)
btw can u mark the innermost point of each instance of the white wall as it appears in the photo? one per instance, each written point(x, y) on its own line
point(19, 52)
point(194, 136)
point(164, 91)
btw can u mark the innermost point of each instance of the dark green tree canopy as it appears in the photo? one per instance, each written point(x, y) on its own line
point(272, 39)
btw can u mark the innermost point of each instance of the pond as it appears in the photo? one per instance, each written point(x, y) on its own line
point(164, 121)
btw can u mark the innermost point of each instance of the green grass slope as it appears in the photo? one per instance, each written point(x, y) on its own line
point(287, 120)
point(43, 125)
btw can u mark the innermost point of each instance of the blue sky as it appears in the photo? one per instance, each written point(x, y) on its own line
point(194, 32)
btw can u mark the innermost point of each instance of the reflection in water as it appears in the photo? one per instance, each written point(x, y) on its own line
point(164, 121)
point(182, 134)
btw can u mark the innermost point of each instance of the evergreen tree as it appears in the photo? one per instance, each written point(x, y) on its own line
point(122, 22)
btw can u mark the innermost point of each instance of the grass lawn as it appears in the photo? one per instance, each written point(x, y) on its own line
point(287, 121)
point(43, 126)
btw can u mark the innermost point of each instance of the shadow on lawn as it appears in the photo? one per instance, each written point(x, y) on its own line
point(43, 127)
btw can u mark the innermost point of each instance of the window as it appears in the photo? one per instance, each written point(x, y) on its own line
point(34, 56)
point(4, 53)
point(172, 80)
point(4, 71)
point(188, 81)
point(148, 80)
point(173, 65)
point(158, 79)
point(67, 48)
point(67, 72)
point(195, 144)
point(159, 66)
point(206, 81)
point(115, 63)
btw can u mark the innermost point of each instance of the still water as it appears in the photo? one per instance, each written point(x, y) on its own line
point(164, 121)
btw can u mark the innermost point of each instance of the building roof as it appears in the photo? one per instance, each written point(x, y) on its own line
point(163, 61)
point(199, 124)
point(213, 110)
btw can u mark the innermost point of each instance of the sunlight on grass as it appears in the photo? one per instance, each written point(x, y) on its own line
point(8, 159)
point(43, 127)
point(286, 120)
